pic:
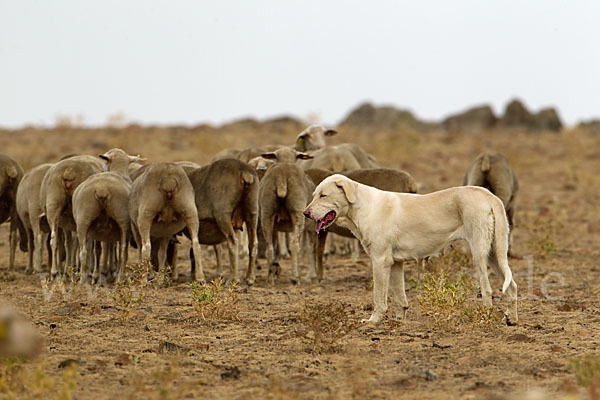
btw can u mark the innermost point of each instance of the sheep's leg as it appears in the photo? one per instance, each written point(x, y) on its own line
point(298, 228)
point(53, 222)
point(162, 253)
point(268, 226)
point(219, 258)
point(13, 241)
point(355, 245)
point(82, 230)
point(282, 245)
point(224, 223)
point(191, 221)
point(38, 245)
point(251, 223)
point(30, 241)
point(91, 257)
point(144, 225)
point(174, 273)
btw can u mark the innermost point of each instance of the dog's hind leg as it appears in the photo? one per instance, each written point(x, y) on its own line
point(398, 290)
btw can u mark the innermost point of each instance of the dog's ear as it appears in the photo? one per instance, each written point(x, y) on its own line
point(349, 188)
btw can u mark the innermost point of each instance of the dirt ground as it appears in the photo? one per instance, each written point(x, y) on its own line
point(558, 226)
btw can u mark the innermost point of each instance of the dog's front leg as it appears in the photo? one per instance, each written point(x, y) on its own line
point(382, 266)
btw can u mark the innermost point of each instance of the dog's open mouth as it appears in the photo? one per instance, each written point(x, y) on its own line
point(325, 221)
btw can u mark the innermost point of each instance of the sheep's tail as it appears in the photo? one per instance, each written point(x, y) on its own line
point(101, 195)
point(501, 241)
point(485, 163)
point(247, 178)
point(281, 186)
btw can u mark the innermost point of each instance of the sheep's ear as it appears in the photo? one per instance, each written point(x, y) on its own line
point(11, 172)
point(330, 132)
point(137, 159)
point(300, 139)
point(269, 156)
point(102, 156)
point(303, 156)
point(349, 188)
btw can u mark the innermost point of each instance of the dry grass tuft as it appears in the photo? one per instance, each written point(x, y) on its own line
point(325, 324)
point(214, 301)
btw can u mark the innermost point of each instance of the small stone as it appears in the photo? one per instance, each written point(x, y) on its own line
point(69, 362)
point(231, 373)
point(519, 337)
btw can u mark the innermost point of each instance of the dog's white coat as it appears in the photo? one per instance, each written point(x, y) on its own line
point(393, 227)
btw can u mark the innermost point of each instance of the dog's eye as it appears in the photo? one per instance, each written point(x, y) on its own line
point(322, 195)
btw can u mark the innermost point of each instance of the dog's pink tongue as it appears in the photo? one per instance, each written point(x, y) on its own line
point(319, 225)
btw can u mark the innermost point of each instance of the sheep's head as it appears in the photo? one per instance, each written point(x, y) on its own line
point(260, 165)
point(9, 176)
point(286, 155)
point(313, 138)
point(169, 186)
point(119, 159)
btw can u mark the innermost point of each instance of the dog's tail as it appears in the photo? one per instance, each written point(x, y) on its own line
point(501, 241)
point(485, 163)
point(281, 186)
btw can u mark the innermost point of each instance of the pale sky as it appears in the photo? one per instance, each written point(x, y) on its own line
point(188, 62)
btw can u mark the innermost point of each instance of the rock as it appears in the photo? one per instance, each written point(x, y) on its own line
point(475, 119)
point(70, 362)
point(519, 337)
point(168, 347)
point(571, 306)
point(516, 115)
point(68, 309)
point(592, 126)
point(123, 359)
point(368, 116)
point(547, 119)
point(424, 374)
point(441, 344)
point(556, 349)
point(231, 373)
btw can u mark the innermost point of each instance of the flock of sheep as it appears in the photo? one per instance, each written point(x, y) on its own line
point(88, 210)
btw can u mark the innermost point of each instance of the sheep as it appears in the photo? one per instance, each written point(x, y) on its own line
point(58, 185)
point(283, 194)
point(226, 194)
point(29, 210)
point(492, 171)
point(11, 174)
point(390, 180)
point(312, 140)
point(162, 204)
point(134, 173)
point(100, 208)
point(246, 154)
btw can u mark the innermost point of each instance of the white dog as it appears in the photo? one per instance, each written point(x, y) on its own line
point(396, 226)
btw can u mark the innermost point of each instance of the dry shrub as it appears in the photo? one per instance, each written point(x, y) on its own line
point(131, 288)
point(447, 295)
point(19, 380)
point(213, 301)
point(543, 231)
point(587, 370)
point(324, 324)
